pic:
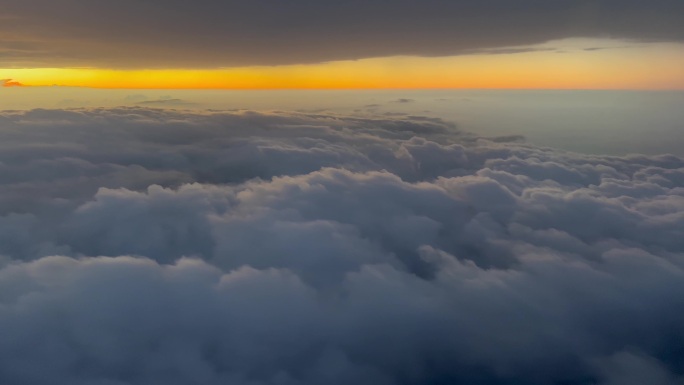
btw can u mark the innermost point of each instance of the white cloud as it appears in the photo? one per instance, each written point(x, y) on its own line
point(148, 246)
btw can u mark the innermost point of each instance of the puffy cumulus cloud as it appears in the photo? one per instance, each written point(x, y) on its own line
point(212, 33)
point(145, 246)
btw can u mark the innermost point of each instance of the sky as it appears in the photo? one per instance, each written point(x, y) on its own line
point(371, 192)
point(302, 44)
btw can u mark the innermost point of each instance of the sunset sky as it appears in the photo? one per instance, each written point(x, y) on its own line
point(341, 192)
point(343, 45)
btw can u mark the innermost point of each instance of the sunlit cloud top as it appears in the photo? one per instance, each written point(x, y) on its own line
point(9, 83)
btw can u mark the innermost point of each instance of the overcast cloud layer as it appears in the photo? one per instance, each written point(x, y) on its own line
point(214, 33)
point(146, 246)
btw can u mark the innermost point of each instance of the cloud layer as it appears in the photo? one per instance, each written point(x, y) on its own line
point(211, 33)
point(145, 246)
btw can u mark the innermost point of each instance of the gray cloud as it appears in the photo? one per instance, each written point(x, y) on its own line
point(210, 33)
point(144, 246)
point(166, 102)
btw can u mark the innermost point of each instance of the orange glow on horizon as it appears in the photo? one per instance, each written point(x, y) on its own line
point(10, 83)
point(655, 66)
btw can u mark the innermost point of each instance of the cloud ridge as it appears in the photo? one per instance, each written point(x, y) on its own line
point(149, 246)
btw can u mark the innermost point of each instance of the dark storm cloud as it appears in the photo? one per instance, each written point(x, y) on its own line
point(211, 33)
point(142, 246)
